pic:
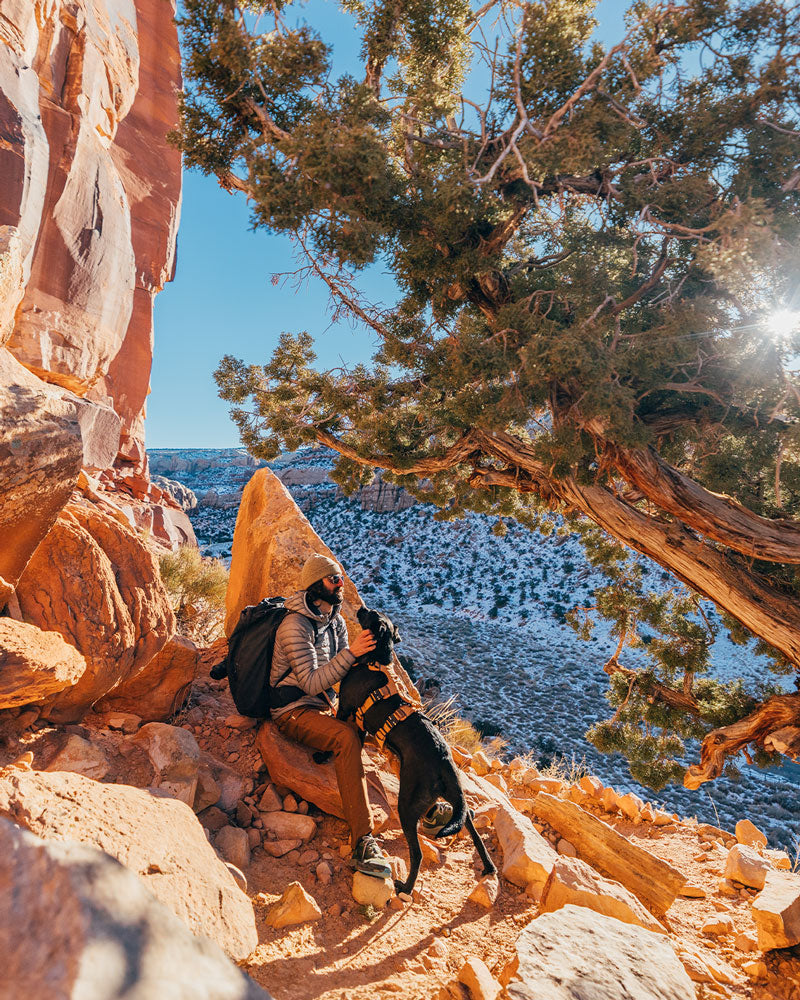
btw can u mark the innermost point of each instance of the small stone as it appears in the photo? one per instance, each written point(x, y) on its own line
point(566, 849)
point(302, 808)
point(232, 844)
point(396, 903)
point(308, 857)
point(486, 891)
point(253, 838)
point(755, 970)
point(691, 891)
point(295, 906)
point(480, 763)
point(335, 910)
point(371, 891)
point(399, 870)
point(727, 888)
point(270, 800)
point(213, 818)
point(233, 757)
point(430, 853)
point(745, 943)
point(747, 833)
point(280, 848)
point(323, 873)
point(629, 806)
point(720, 927)
point(290, 804)
point(479, 981)
point(746, 865)
point(240, 722)
point(125, 722)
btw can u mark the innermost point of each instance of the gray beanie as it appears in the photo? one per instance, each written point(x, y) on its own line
point(315, 568)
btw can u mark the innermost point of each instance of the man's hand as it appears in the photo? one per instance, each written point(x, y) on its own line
point(364, 642)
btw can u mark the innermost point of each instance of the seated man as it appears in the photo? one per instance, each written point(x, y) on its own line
point(311, 655)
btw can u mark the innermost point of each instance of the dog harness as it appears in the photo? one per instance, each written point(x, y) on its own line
point(381, 694)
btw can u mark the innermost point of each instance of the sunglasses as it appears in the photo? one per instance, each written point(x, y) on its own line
point(336, 578)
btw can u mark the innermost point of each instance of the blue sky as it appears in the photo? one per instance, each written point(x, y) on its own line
point(223, 300)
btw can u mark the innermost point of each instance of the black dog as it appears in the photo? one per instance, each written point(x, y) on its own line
point(427, 771)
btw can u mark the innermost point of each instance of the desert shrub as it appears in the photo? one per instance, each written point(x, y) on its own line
point(196, 587)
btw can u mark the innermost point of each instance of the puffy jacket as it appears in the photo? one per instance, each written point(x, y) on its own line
point(315, 661)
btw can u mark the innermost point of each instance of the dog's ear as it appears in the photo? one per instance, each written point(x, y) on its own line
point(396, 633)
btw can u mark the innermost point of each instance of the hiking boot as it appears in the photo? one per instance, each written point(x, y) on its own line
point(368, 858)
point(438, 816)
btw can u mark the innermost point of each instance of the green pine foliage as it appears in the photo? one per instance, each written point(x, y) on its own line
point(587, 242)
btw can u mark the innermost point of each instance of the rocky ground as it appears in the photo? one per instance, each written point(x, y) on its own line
point(417, 948)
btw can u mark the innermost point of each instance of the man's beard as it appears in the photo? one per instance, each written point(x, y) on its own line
point(318, 592)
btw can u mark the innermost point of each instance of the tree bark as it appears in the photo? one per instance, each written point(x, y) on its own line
point(778, 712)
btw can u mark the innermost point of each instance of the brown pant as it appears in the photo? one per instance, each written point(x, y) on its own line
point(324, 732)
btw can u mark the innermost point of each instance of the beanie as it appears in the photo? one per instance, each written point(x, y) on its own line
point(315, 568)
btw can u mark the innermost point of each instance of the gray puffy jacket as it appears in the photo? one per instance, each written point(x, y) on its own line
point(314, 662)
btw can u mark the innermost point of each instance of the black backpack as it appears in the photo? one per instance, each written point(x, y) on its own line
point(249, 660)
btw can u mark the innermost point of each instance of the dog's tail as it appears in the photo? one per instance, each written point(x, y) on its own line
point(454, 794)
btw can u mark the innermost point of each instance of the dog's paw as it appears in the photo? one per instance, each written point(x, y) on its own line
point(401, 888)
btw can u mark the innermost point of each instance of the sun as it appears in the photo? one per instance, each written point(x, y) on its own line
point(783, 323)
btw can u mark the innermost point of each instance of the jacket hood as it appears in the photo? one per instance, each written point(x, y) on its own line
point(298, 602)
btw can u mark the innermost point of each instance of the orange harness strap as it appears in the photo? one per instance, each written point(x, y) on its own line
point(381, 694)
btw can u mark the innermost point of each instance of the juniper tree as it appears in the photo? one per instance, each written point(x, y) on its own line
point(588, 243)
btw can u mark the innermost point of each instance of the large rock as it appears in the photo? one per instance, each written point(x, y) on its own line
point(92, 188)
point(527, 857)
point(292, 764)
point(160, 688)
point(776, 911)
point(77, 925)
point(577, 954)
point(93, 581)
point(574, 882)
point(271, 541)
point(655, 882)
point(41, 451)
point(34, 664)
point(157, 838)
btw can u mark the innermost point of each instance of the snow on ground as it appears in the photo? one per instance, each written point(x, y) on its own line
point(482, 618)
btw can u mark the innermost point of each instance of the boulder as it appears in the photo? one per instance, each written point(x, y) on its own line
point(81, 757)
point(776, 911)
point(291, 764)
point(369, 891)
point(747, 833)
point(572, 881)
point(746, 865)
point(527, 857)
point(271, 541)
point(295, 906)
point(34, 664)
point(232, 786)
point(85, 927)
point(576, 953)
point(175, 755)
point(157, 838)
point(93, 581)
point(653, 881)
point(159, 689)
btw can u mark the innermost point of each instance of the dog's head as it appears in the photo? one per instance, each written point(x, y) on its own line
point(385, 632)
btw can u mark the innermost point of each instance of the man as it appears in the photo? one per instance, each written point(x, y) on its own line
point(311, 655)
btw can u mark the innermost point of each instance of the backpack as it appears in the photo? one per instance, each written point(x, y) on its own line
point(248, 662)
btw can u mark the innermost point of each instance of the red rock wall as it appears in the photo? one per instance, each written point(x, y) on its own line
point(90, 191)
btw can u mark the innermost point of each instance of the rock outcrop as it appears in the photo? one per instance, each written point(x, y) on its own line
point(91, 189)
point(90, 928)
point(159, 839)
point(34, 664)
point(94, 582)
point(157, 691)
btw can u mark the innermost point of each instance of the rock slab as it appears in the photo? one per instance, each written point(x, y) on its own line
point(84, 927)
point(159, 839)
point(776, 911)
point(576, 954)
